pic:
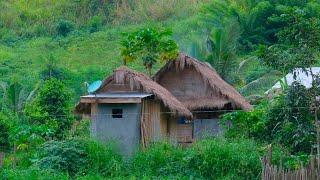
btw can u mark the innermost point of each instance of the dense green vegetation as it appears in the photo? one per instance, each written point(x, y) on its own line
point(87, 159)
point(49, 49)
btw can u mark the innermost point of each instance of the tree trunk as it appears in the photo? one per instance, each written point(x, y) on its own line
point(149, 69)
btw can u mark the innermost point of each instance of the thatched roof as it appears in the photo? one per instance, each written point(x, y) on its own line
point(140, 81)
point(223, 92)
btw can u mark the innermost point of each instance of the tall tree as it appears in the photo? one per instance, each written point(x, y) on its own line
point(149, 45)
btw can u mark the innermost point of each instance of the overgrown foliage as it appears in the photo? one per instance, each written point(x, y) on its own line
point(4, 133)
point(286, 120)
point(297, 41)
point(81, 158)
point(150, 46)
point(52, 108)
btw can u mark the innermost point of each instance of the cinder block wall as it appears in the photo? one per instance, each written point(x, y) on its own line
point(125, 131)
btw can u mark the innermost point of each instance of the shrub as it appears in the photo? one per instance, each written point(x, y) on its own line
point(4, 133)
point(243, 124)
point(64, 156)
point(95, 24)
point(64, 27)
point(52, 70)
point(52, 107)
point(79, 157)
point(24, 140)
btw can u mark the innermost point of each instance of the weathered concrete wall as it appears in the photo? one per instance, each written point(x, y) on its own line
point(206, 127)
point(125, 131)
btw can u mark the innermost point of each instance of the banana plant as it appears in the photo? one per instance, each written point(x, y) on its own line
point(15, 96)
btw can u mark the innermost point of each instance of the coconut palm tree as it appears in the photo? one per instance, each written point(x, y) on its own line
point(222, 46)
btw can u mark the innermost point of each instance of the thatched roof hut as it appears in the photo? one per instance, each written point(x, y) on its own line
point(198, 86)
point(132, 108)
point(139, 82)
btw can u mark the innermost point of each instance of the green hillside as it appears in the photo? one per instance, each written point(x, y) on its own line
point(85, 54)
point(91, 50)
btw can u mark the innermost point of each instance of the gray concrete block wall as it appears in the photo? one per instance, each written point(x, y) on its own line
point(125, 131)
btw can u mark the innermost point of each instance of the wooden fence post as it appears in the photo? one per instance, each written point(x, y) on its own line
point(270, 172)
point(1, 158)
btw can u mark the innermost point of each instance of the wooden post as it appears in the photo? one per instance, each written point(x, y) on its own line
point(318, 138)
point(1, 158)
point(316, 117)
point(142, 129)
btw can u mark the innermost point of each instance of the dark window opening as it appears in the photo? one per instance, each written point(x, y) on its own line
point(117, 113)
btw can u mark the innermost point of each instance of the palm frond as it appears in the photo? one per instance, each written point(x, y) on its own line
point(262, 84)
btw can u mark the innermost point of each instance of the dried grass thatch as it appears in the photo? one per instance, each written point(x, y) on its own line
point(195, 103)
point(142, 82)
point(222, 92)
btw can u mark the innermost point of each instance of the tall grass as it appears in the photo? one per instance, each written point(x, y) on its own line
point(154, 10)
point(31, 173)
point(208, 159)
point(38, 18)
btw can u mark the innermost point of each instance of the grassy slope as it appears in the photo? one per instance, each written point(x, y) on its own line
point(88, 56)
point(92, 56)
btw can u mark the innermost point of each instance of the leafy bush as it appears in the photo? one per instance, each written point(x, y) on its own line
point(64, 27)
point(52, 107)
point(4, 133)
point(95, 24)
point(64, 156)
point(25, 139)
point(52, 70)
point(79, 157)
point(243, 124)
